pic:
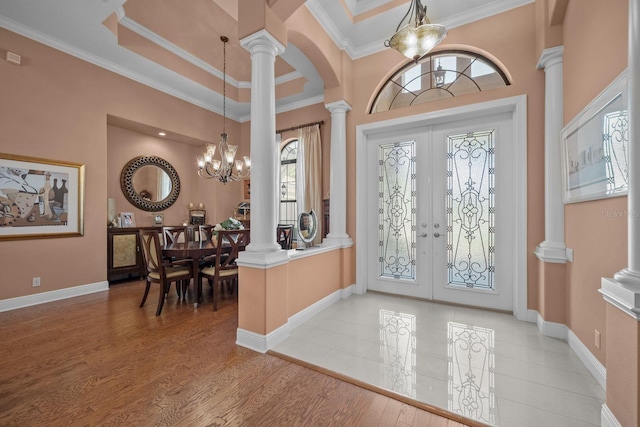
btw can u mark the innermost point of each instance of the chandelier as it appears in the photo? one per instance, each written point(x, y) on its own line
point(223, 168)
point(415, 34)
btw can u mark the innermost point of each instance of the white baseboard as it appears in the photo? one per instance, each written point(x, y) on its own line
point(43, 297)
point(263, 343)
point(607, 419)
point(594, 366)
point(561, 331)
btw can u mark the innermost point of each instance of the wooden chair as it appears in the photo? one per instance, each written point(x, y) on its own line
point(175, 234)
point(207, 232)
point(159, 270)
point(285, 236)
point(229, 244)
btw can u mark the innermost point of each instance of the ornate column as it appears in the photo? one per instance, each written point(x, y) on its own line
point(264, 151)
point(338, 179)
point(622, 293)
point(552, 249)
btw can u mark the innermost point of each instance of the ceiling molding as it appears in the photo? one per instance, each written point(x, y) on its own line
point(483, 12)
point(291, 106)
point(30, 33)
point(176, 50)
point(356, 52)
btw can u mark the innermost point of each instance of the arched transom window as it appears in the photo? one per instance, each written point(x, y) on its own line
point(437, 76)
point(288, 166)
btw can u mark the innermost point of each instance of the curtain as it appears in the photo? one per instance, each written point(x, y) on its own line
point(309, 176)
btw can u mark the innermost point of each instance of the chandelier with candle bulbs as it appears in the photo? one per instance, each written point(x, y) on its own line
point(415, 34)
point(227, 168)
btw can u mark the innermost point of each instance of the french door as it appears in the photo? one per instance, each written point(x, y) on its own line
point(440, 205)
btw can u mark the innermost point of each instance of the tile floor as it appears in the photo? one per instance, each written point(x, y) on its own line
point(481, 364)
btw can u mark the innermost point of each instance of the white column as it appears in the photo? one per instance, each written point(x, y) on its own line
point(553, 248)
point(624, 290)
point(263, 249)
point(338, 179)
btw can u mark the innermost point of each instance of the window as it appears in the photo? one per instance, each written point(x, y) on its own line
point(288, 162)
point(458, 72)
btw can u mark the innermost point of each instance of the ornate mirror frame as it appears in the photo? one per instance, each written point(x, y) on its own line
point(312, 226)
point(126, 183)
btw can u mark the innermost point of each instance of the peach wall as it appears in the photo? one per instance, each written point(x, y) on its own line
point(262, 299)
point(623, 367)
point(307, 285)
point(597, 230)
point(518, 54)
point(124, 145)
point(56, 107)
point(552, 302)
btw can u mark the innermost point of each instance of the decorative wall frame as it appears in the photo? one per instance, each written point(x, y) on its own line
point(40, 198)
point(595, 147)
point(157, 219)
point(127, 220)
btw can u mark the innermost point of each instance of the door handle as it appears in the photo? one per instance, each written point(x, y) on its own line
point(424, 235)
point(436, 234)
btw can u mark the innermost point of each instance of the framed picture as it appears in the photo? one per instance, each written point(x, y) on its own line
point(595, 147)
point(40, 198)
point(127, 220)
point(157, 219)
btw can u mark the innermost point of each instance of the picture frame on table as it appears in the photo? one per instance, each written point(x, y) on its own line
point(40, 198)
point(127, 220)
point(595, 147)
point(157, 219)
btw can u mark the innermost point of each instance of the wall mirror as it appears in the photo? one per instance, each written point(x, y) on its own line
point(307, 226)
point(150, 183)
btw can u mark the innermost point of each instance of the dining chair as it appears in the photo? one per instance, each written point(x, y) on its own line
point(160, 270)
point(229, 244)
point(207, 232)
point(175, 234)
point(285, 236)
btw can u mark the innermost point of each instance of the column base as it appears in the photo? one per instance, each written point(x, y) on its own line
point(554, 252)
point(623, 294)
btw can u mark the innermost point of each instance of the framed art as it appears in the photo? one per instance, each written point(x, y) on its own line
point(157, 219)
point(127, 220)
point(595, 147)
point(40, 198)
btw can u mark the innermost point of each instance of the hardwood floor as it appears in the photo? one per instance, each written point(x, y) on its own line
point(101, 360)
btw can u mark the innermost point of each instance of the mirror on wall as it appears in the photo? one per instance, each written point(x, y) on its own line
point(307, 226)
point(150, 183)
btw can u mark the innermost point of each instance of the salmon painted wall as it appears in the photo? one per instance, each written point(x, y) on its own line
point(124, 145)
point(595, 39)
point(306, 285)
point(55, 106)
point(517, 53)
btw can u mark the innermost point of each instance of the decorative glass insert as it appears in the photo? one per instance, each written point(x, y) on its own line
point(397, 210)
point(616, 149)
point(471, 210)
point(471, 367)
point(288, 162)
point(398, 351)
point(461, 72)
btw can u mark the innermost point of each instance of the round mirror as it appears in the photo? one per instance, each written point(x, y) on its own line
point(150, 183)
point(307, 226)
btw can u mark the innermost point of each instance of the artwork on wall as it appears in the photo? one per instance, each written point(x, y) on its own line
point(127, 219)
point(40, 198)
point(595, 147)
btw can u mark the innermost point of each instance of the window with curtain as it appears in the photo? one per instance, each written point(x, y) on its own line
point(288, 202)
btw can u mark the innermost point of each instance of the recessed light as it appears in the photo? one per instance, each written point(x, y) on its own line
point(162, 134)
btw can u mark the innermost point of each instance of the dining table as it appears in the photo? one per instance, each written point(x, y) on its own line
point(194, 251)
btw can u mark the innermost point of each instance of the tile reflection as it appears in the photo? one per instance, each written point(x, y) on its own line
point(398, 351)
point(471, 368)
